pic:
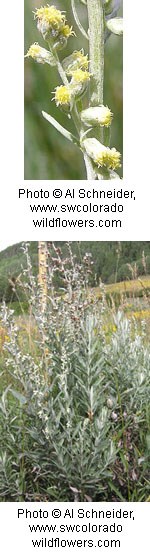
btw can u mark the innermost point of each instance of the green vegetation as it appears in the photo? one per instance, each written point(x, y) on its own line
point(112, 262)
point(75, 385)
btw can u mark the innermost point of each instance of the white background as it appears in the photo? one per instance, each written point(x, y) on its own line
point(16, 537)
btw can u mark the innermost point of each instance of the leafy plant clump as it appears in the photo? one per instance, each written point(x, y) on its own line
point(80, 93)
point(74, 415)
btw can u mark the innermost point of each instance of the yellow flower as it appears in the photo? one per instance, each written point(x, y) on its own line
point(33, 50)
point(40, 54)
point(80, 76)
point(50, 15)
point(51, 22)
point(66, 31)
point(101, 155)
point(75, 61)
point(81, 59)
point(113, 159)
point(63, 95)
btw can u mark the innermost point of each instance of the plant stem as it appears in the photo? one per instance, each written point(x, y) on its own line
point(75, 117)
point(96, 55)
point(89, 168)
point(96, 50)
point(59, 65)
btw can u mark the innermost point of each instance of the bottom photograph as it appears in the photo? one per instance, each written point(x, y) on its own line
point(75, 372)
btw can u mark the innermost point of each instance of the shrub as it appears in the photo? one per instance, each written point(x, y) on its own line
point(74, 416)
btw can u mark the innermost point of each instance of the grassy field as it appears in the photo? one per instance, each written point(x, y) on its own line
point(136, 287)
point(132, 296)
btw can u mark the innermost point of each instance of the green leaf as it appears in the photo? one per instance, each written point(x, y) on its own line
point(4, 400)
point(60, 128)
point(18, 396)
point(148, 441)
point(117, 491)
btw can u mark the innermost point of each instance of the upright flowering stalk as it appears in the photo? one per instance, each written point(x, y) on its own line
point(42, 277)
point(82, 77)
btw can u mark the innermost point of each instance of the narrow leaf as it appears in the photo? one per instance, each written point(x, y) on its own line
point(61, 129)
point(18, 396)
point(78, 23)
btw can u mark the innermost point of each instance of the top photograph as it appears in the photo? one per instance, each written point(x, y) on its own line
point(73, 90)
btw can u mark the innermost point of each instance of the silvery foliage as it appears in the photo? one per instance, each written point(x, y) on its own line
point(60, 388)
point(75, 392)
point(129, 360)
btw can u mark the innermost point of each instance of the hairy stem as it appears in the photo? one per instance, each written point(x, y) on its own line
point(89, 168)
point(59, 66)
point(96, 50)
point(96, 55)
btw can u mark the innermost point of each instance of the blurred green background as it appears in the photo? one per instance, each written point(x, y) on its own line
point(48, 155)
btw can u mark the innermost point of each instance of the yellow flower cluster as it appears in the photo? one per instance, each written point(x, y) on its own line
point(81, 59)
point(77, 60)
point(34, 50)
point(52, 20)
point(80, 76)
point(101, 155)
point(144, 314)
point(39, 54)
point(111, 159)
point(66, 31)
point(50, 15)
point(63, 95)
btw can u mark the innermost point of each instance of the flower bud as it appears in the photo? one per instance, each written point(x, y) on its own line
point(114, 416)
point(40, 55)
point(101, 155)
point(115, 25)
point(79, 81)
point(97, 115)
point(109, 403)
point(60, 43)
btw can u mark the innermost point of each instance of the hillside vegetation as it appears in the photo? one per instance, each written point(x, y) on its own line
point(113, 262)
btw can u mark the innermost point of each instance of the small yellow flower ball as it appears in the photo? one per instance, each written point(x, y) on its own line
point(80, 76)
point(63, 95)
